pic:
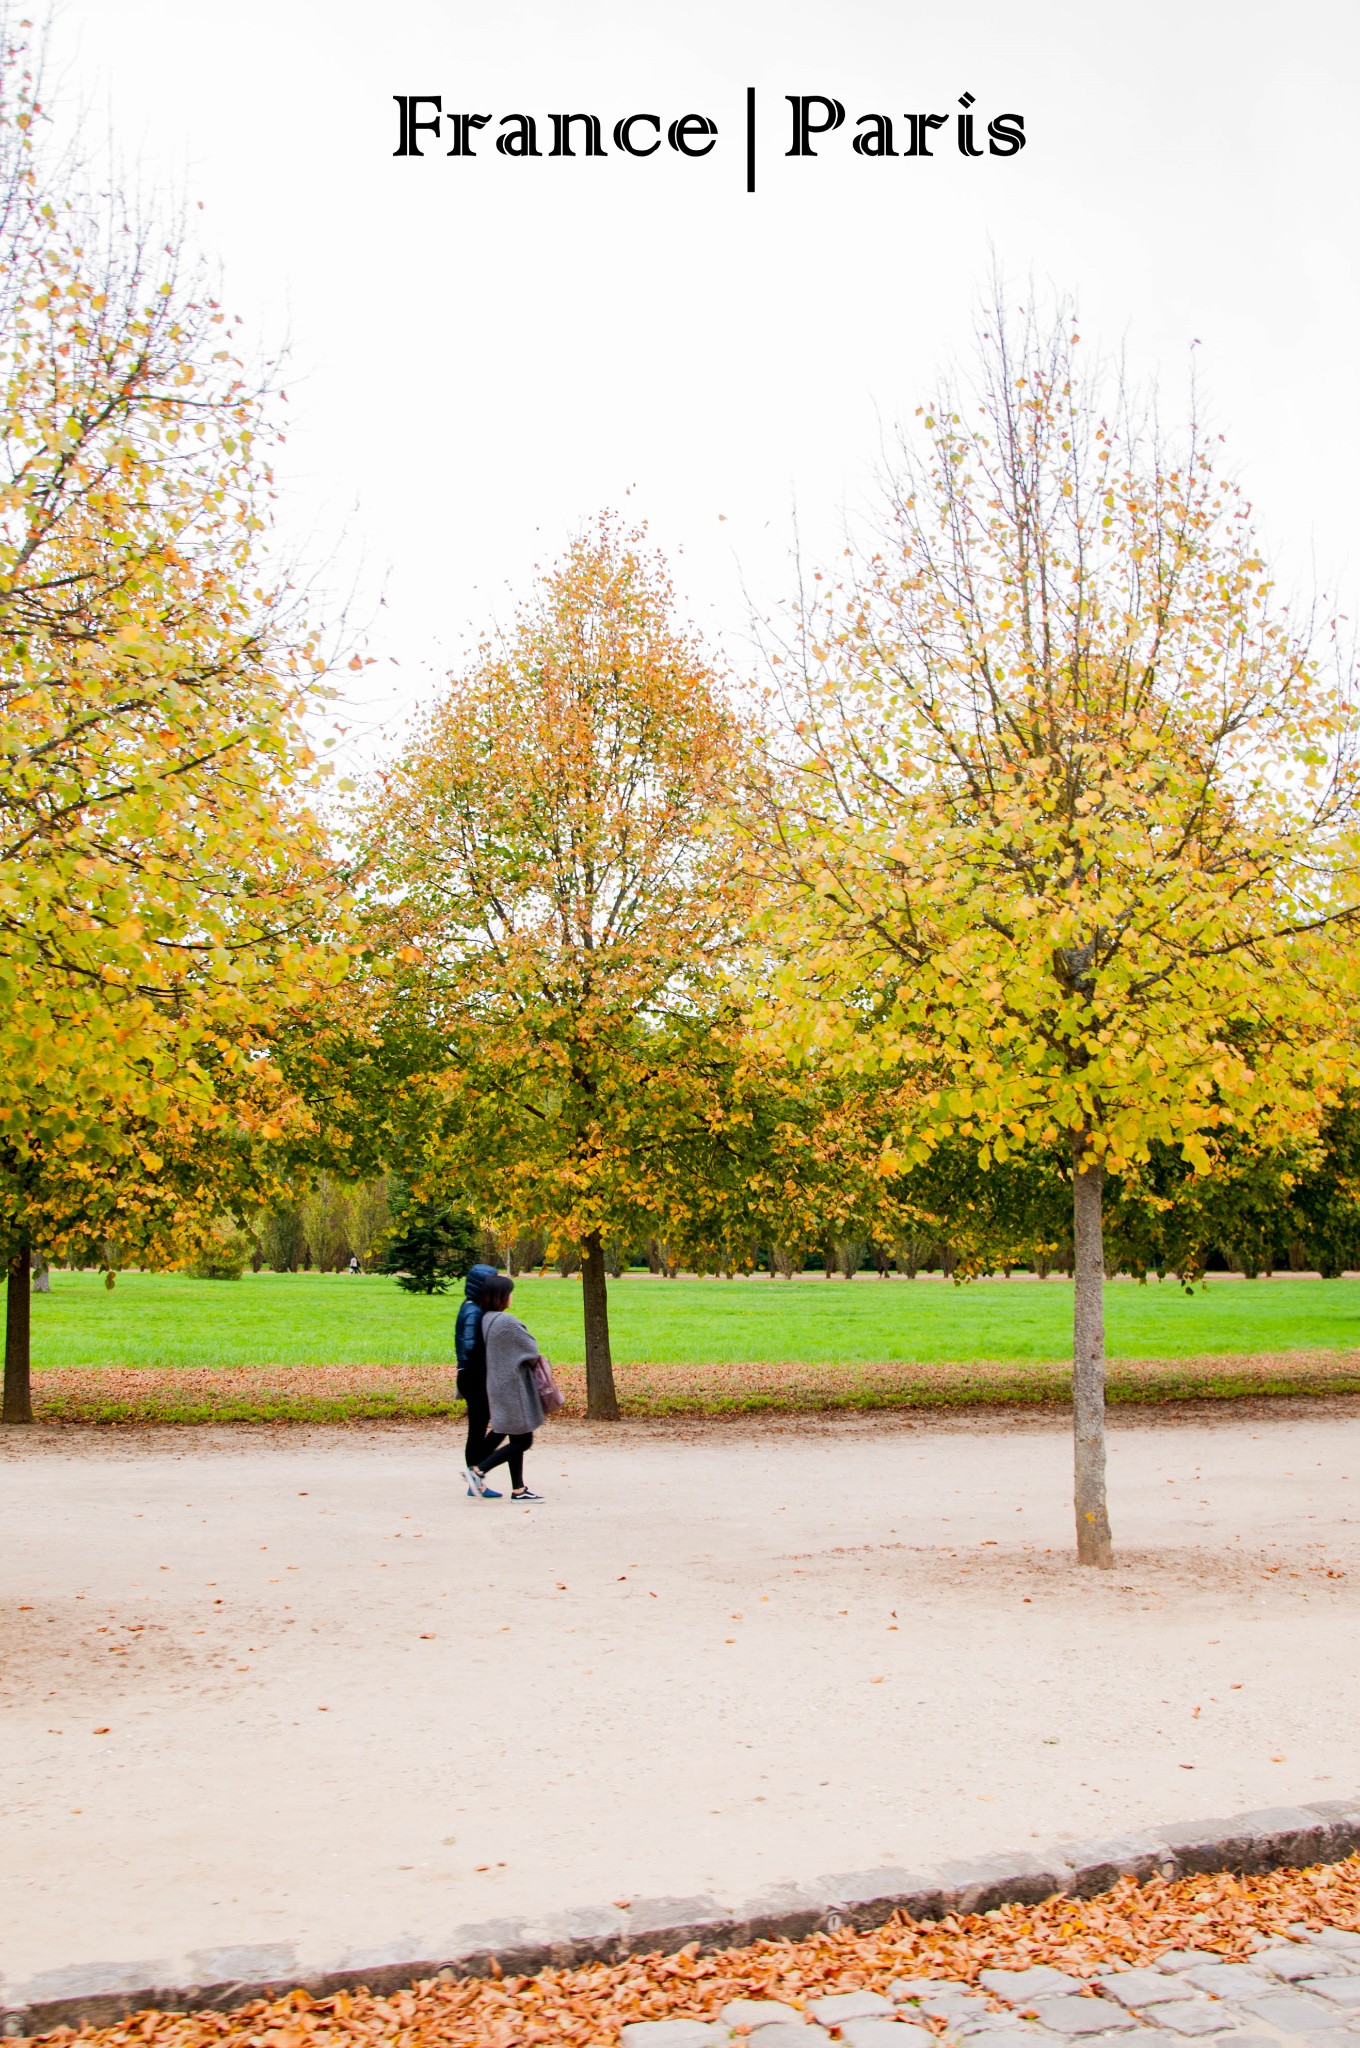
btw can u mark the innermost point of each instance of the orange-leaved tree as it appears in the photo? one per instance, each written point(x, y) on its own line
point(1061, 830)
point(547, 857)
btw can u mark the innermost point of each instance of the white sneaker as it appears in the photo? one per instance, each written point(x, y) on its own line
point(475, 1482)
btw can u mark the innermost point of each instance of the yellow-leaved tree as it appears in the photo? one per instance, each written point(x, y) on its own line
point(546, 857)
point(165, 891)
point(1061, 831)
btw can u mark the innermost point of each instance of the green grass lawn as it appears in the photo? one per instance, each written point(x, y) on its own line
point(289, 1319)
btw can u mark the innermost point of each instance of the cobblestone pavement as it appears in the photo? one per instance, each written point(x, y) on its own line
point(1303, 1992)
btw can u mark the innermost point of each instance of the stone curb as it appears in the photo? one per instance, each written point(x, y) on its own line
point(101, 1994)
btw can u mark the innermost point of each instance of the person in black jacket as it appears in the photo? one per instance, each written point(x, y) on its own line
point(470, 1350)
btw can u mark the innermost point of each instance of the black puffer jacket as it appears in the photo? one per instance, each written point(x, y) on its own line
point(469, 1346)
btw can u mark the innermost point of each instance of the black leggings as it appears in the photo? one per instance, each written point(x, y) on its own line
point(510, 1453)
point(480, 1439)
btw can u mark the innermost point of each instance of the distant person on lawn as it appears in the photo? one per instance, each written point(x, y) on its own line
point(470, 1351)
point(516, 1410)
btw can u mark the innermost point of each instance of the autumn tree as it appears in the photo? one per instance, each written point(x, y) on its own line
point(787, 1159)
point(547, 861)
point(164, 886)
point(1061, 829)
point(992, 1217)
point(1322, 1214)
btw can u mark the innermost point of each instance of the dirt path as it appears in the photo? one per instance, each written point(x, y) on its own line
point(342, 1702)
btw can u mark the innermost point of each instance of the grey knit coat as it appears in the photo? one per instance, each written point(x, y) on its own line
point(510, 1356)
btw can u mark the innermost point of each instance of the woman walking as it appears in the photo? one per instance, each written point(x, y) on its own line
point(470, 1352)
point(512, 1396)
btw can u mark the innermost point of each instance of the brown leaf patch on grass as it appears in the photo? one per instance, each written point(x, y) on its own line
point(585, 2008)
point(355, 1393)
point(277, 1393)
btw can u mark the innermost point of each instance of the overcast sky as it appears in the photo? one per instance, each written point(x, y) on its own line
point(484, 353)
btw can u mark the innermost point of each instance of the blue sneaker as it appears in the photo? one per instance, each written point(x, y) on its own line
point(477, 1486)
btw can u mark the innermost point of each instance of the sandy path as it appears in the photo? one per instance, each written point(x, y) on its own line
point(333, 1687)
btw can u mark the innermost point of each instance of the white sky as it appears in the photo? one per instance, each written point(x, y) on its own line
point(483, 354)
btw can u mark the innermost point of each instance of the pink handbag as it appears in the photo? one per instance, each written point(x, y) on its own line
point(549, 1393)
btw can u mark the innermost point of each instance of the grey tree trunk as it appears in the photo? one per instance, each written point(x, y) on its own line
point(1088, 1363)
point(41, 1281)
point(602, 1402)
point(18, 1397)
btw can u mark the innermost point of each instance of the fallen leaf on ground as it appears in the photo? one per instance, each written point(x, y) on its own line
point(586, 2007)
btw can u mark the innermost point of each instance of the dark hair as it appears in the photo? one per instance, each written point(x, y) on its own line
point(496, 1293)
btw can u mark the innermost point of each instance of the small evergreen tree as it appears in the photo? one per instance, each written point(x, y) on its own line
point(432, 1243)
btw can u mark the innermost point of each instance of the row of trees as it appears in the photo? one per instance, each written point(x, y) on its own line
point(1295, 1209)
point(1036, 872)
point(325, 1225)
point(1014, 901)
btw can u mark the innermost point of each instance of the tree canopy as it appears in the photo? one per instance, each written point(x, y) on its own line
point(549, 860)
point(1062, 827)
point(166, 889)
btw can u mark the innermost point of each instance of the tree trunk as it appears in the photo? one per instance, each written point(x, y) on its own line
point(18, 1401)
point(1088, 1363)
point(602, 1403)
point(41, 1282)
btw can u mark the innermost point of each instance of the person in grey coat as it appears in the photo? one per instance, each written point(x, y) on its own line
point(516, 1410)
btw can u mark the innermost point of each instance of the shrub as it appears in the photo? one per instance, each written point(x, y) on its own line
point(226, 1253)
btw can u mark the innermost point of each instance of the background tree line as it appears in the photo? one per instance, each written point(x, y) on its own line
point(1274, 1210)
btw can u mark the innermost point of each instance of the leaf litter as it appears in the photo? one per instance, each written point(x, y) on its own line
point(586, 2007)
point(354, 1393)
